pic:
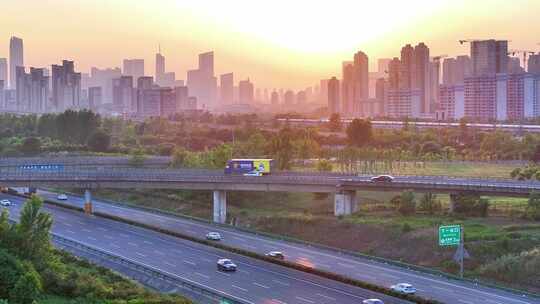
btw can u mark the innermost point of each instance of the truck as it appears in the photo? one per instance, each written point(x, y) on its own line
point(247, 166)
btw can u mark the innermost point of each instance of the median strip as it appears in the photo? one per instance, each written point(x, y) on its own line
point(295, 266)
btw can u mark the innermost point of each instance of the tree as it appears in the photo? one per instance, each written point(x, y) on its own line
point(359, 132)
point(334, 123)
point(429, 203)
point(282, 149)
point(32, 231)
point(324, 165)
point(407, 203)
point(471, 204)
point(137, 157)
point(99, 141)
point(11, 270)
point(533, 206)
point(179, 157)
point(30, 146)
point(27, 289)
point(536, 155)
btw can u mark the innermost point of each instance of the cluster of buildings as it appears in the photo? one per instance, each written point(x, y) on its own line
point(486, 85)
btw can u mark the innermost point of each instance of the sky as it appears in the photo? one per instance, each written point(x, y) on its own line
point(278, 43)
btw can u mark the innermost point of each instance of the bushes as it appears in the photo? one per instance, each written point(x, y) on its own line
point(516, 268)
point(429, 203)
point(533, 206)
point(470, 204)
point(11, 270)
point(407, 203)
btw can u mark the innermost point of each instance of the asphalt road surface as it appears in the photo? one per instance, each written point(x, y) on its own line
point(254, 282)
point(428, 285)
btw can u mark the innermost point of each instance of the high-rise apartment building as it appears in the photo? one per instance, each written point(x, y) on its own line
point(16, 59)
point(382, 66)
point(333, 96)
point(422, 79)
point(226, 86)
point(103, 78)
point(66, 86)
point(533, 65)
point(133, 68)
point(288, 99)
point(489, 57)
point(514, 66)
point(123, 99)
point(456, 69)
point(95, 98)
point(160, 68)
point(360, 82)
point(452, 101)
point(32, 92)
point(407, 75)
point(4, 70)
point(274, 98)
point(347, 89)
point(245, 92)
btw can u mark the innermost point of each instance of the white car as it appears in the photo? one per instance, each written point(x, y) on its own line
point(5, 203)
point(226, 265)
point(213, 236)
point(62, 197)
point(253, 173)
point(276, 255)
point(372, 301)
point(404, 288)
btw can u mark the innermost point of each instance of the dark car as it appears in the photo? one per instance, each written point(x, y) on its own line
point(382, 178)
point(226, 265)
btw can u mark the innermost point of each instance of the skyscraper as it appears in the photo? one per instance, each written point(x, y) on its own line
point(394, 73)
point(133, 68)
point(456, 69)
point(3, 70)
point(422, 76)
point(274, 99)
point(534, 64)
point(361, 81)
point(95, 98)
point(227, 88)
point(382, 66)
point(66, 86)
point(202, 83)
point(32, 92)
point(407, 73)
point(160, 68)
point(16, 58)
point(333, 96)
point(489, 57)
point(245, 92)
point(123, 95)
point(347, 89)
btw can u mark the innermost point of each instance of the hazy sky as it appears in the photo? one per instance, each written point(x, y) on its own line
point(278, 43)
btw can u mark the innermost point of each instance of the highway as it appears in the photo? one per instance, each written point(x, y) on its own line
point(193, 179)
point(254, 282)
point(430, 286)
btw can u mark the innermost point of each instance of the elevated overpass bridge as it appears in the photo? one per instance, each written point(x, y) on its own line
point(44, 174)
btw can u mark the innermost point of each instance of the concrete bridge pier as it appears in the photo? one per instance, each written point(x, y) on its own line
point(220, 206)
point(345, 203)
point(88, 209)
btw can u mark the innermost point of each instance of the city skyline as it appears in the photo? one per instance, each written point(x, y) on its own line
point(307, 52)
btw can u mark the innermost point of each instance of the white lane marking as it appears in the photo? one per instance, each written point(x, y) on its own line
point(240, 288)
point(243, 271)
point(345, 265)
point(92, 238)
point(191, 231)
point(326, 297)
point(133, 244)
point(465, 301)
point(206, 260)
point(114, 245)
point(442, 288)
point(238, 239)
point(148, 242)
point(251, 247)
point(202, 275)
point(492, 301)
point(70, 231)
point(388, 275)
point(305, 300)
point(281, 283)
point(322, 265)
point(223, 273)
point(170, 264)
point(189, 262)
point(124, 235)
point(108, 237)
point(102, 229)
point(261, 285)
point(67, 224)
point(159, 252)
point(86, 230)
point(278, 301)
point(140, 254)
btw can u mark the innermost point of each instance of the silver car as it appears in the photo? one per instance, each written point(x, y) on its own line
point(213, 236)
point(372, 301)
point(5, 203)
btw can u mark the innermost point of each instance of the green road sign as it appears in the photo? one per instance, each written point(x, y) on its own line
point(449, 235)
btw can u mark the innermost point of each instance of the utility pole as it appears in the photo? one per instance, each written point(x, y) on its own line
point(461, 251)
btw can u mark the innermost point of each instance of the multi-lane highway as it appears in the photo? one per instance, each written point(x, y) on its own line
point(254, 282)
point(430, 286)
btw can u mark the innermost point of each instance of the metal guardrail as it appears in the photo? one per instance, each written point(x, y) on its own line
point(185, 283)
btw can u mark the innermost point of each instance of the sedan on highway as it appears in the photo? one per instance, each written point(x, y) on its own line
point(5, 203)
point(382, 178)
point(213, 236)
point(276, 255)
point(226, 265)
point(62, 197)
point(372, 301)
point(253, 173)
point(404, 288)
